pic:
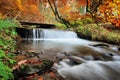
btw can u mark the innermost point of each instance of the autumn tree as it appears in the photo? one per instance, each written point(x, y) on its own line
point(7, 8)
point(92, 8)
point(30, 11)
point(59, 18)
point(110, 12)
point(105, 10)
point(23, 10)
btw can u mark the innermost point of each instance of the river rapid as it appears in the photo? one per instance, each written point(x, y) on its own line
point(55, 44)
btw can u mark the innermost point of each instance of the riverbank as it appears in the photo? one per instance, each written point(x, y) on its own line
point(99, 33)
point(49, 49)
point(104, 32)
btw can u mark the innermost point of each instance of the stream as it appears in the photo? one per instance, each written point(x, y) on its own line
point(51, 44)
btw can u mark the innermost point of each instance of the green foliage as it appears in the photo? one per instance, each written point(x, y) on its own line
point(60, 26)
point(5, 61)
point(87, 20)
point(5, 72)
point(76, 23)
point(7, 23)
point(99, 33)
point(83, 21)
point(7, 45)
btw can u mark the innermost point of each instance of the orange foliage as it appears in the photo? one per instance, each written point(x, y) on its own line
point(31, 11)
point(110, 12)
point(40, 78)
point(19, 4)
point(74, 16)
point(81, 3)
point(62, 2)
point(28, 9)
point(7, 8)
point(32, 2)
point(69, 9)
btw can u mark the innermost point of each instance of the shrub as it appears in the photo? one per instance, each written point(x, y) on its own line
point(7, 45)
point(7, 23)
point(82, 21)
point(60, 26)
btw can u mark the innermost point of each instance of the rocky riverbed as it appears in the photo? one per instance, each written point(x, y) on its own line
point(38, 55)
point(35, 54)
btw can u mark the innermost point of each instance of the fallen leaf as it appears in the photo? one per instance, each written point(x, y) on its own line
point(19, 64)
point(52, 74)
point(40, 78)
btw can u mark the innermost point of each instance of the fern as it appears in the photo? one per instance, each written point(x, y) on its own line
point(5, 72)
point(7, 45)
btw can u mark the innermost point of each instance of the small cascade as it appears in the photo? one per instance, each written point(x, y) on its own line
point(38, 34)
point(52, 34)
point(49, 34)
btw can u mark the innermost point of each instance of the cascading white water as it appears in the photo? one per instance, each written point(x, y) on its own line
point(52, 34)
point(67, 41)
point(36, 33)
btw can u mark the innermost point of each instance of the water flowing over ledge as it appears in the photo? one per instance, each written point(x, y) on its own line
point(37, 34)
point(53, 43)
point(46, 34)
point(53, 34)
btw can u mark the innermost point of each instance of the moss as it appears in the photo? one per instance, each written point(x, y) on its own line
point(82, 21)
point(60, 26)
point(75, 23)
point(99, 33)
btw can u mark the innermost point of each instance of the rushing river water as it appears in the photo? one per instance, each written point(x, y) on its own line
point(55, 41)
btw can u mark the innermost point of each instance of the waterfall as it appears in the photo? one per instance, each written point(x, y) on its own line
point(36, 33)
point(52, 34)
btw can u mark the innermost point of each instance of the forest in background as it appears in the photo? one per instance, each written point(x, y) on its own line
point(41, 11)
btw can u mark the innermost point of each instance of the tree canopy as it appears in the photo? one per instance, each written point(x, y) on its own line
point(36, 10)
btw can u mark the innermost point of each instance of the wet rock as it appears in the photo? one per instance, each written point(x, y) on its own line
point(30, 51)
point(30, 55)
point(101, 45)
point(19, 52)
point(61, 55)
point(119, 49)
point(42, 52)
point(104, 57)
point(88, 57)
point(111, 54)
point(75, 59)
point(99, 58)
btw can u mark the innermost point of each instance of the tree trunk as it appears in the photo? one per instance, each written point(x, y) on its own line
point(58, 17)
